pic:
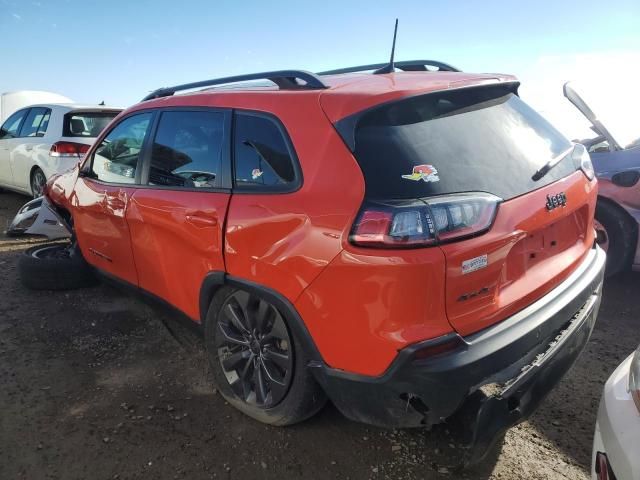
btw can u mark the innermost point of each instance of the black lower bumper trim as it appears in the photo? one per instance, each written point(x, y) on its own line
point(494, 381)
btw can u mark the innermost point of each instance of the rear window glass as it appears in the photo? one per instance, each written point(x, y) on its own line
point(86, 124)
point(479, 139)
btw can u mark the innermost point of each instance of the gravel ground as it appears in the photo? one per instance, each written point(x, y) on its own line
point(94, 384)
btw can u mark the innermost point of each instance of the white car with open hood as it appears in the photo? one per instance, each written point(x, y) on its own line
point(39, 141)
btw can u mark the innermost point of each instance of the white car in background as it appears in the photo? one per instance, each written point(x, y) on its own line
point(13, 101)
point(616, 445)
point(42, 140)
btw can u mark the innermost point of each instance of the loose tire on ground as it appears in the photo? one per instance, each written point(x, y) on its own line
point(621, 234)
point(57, 266)
point(303, 397)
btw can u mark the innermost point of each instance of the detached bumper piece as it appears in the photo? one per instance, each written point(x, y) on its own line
point(493, 380)
point(38, 217)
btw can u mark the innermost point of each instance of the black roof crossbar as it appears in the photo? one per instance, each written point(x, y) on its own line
point(406, 66)
point(284, 79)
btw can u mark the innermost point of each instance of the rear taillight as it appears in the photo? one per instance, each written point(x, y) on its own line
point(68, 149)
point(603, 468)
point(424, 222)
point(582, 161)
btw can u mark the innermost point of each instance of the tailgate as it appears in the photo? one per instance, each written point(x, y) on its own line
point(471, 171)
point(529, 251)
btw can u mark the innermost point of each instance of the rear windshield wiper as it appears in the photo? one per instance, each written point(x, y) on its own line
point(546, 168)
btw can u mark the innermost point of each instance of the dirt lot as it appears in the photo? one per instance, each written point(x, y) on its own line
point(93, 385)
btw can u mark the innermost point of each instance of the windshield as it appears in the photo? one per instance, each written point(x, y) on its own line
point(618, 109)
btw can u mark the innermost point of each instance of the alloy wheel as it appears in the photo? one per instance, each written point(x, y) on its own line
point(38, 182)
point(254, 350)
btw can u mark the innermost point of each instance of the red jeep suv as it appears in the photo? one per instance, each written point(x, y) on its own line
point(417, 246)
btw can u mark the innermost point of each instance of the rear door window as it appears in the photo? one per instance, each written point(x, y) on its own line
point(12, 125)
point(32, 122)
point(477, 139)
point(42, 129)
point(86, 124)
point(263, 156)
point(117, 157)
point(188, 149)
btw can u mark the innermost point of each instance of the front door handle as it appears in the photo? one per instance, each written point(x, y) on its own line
point(28, 148)
point(201, 221)
point(116, 204)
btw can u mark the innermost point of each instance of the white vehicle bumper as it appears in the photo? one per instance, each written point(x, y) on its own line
point(37, 217)
point(618, 427)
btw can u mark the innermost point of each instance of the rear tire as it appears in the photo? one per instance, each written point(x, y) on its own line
point(262, 322)
point(620, 236)
point(37, 181)
point(58, 266)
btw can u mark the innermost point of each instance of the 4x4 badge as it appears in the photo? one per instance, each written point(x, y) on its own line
point(427, 173)
point(557, 200)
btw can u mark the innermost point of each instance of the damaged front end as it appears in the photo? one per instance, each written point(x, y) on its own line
point(39, 217)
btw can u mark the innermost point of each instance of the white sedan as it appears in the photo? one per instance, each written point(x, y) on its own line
point(616, 446)
point(41, 140)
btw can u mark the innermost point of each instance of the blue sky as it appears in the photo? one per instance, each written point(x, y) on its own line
point(119, 50)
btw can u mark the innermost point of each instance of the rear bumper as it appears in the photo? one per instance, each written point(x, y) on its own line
point(493, 381)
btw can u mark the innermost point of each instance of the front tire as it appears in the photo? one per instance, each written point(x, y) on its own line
point(57, 266)
point(258, 363)
point(617, 235)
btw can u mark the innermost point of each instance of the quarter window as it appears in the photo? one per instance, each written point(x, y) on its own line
point(187, 149)
point(117, 157)
point(261, 154)
point(12, 125)
point(33, 121)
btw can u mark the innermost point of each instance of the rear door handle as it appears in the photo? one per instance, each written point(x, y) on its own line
point(28, 148)
point(202, 221)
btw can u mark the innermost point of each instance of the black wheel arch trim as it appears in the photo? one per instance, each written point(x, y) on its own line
point(214, 280)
